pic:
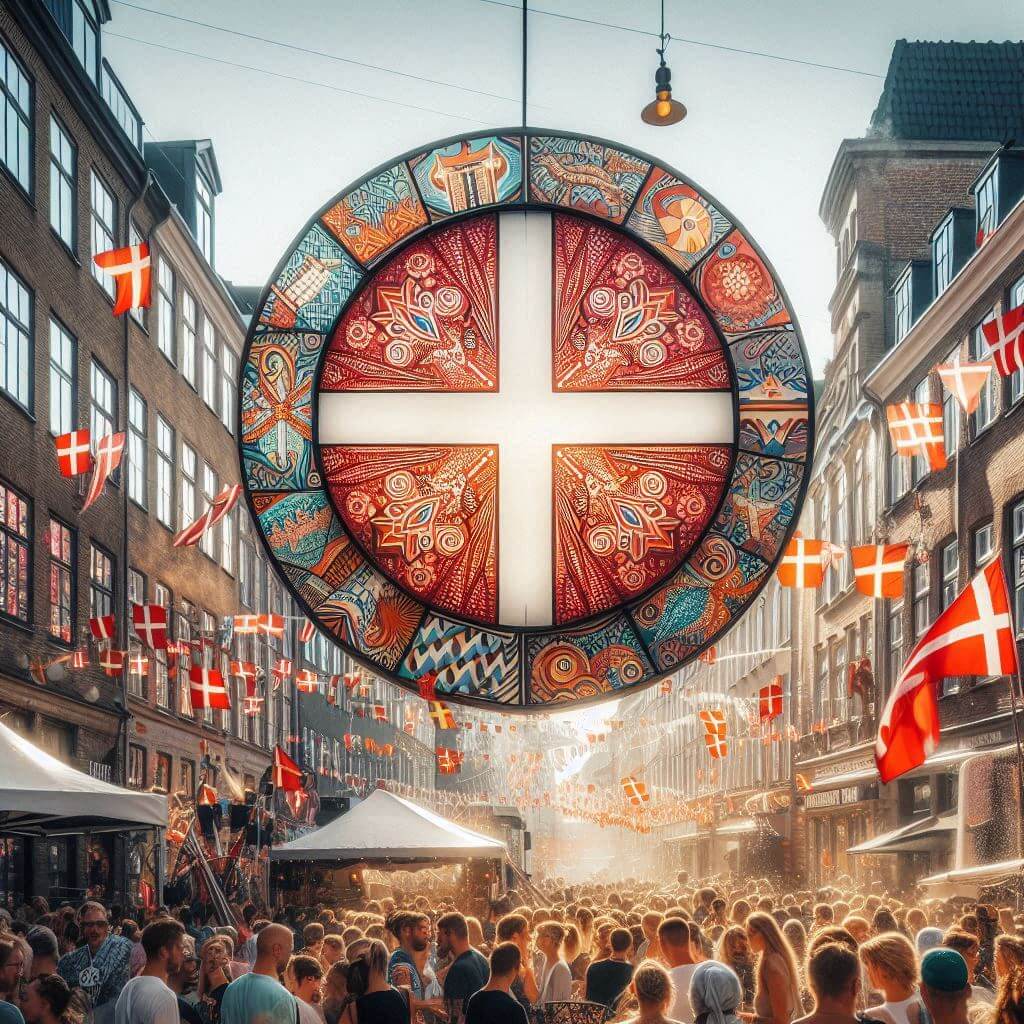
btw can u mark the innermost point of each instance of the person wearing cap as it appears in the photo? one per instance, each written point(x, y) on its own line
point(945, 987)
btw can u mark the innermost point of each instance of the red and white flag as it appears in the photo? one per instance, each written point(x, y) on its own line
point(245, 625)
point(102, 627)
point(109, 450)
point(112, 662)
point(713, 719)
point(449, 762)
point(306, 681)
point(131, 271)
point(272, 625)
point(1005, 337)
point(138, 665)
point(352, 680)
point(709, 655)
point(442, 715)
point(380, 713)
point(207, 689)
point(307, 631)
point(287, 774)
point(635, 791)
point(770, 700)
point(282, 670)
point(218, 508)
point(246, 671)
point(716, 744)
point(801, 565)
point(252, 706)
point(74, 453)
point(878, 569)
point(964, 382)
point(916, 429)
point(973, 637)
point(80, 659)
point(332, 690)
point(150, 624)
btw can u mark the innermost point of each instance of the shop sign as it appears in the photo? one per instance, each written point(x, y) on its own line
point(832, 797)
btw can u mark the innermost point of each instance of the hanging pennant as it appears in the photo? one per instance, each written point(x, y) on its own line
point(150, 624)
point(1005, 336)
point(878, 569)
point(770, 700)
point(207, 690)
point(964, 382)
point(109, 450)
point(74, 453)
point(449, 762)
point(287, 774)
point(102, 627)
point(130, 268)
point(801, 564)
point(307, 631)
point(635, 791)
point(306, 681)
point(916, 430)
point(112, 662)
point(216, 510)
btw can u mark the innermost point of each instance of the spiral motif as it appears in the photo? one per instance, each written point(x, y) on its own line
point(357, 335)
point(716, 558)
point(400, 485)
point(419, 264)
point(398, 353)
point(420, 576)
point(601, 540)
point(449, 540)
point(692, 505)
point(449, 301)
point(652, 353)
point(560, 664)
point(693, 333)
point(600, 302)
point(357, 505)
point(653, 484)
point(648, 613)
point(631, 670)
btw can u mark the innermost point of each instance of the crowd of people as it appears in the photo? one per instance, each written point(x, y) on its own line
point(719, 953)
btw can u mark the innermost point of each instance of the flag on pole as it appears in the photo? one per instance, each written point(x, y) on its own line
point(150, 624)
point(1005, 337)
point(801, 565)
point(246, 671)
point(287, 774)
point(964, 382)
point(306, 633)
point(217, 509)
point(207, 689)
point(973, 637)
point(770, 700)
point(878, 569)
point(916, 429)
point(74, 453)
point(130, 268)
point(109, 450)
point(102, 627)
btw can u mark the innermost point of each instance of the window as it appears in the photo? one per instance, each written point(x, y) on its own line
point(985, 414)
point(63, 356)
point(15, 540)
point(839, 578)
point(103, 218)
point(187, 777)
point(15, 338)
point(942, 256)
point(920, 598)
point(985, 204)
point(208, 541)
point(204, 216)
point(901, 300)
point(62, 577)
point(950, 422)
point(897, 474)
point(83, 38)
point(165, 308)
point(162, 773)
point(102, 403)
point(137, 313)
point(983, 545)
point(209, 364)
point(188, 338)
point(164, 472)
point(136, 595)
point(138, 448)
point(162, 597)
point(1017, 379)
point(895, 630)
point(63, 161)
point(17, 120)
point(122, 107)
point(227, 543)
point(187, 507)
point(101, 582)
point(950, 572)
point(246, 572)
point(1017, 568)
point(918, 463)
point(185, 618)
point(228, 371)
point(136, 766)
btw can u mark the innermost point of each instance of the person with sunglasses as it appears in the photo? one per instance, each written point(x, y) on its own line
point(100, 966)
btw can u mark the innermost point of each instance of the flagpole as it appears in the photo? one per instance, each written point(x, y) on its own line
point(1015, 685)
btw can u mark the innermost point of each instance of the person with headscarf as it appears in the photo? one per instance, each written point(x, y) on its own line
point(715, 994)
point(927, 938)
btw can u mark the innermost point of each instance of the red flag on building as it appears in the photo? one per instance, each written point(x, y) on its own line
point(109, 450)
point(716, 743)
point(351, 680)
point(252, 706)
point(150, 624)
point(916, 429)
point(112, 662)
point(217, 509)
point(246, 671)
point(770, 700)
point(380, 713)
point(449, 762)
point(332, 690)
point(709, 655)
point(428, 685)
point(306, 681)
point(282, 670)
point(287, 774)
point(973, 637)
point(138, 665)
point(635, 791)
point(207, 689)
point(964, 382)
point(1005, 336)
point(102, 627)
point(307, 631)
point(245, 625)
point(80, 659)
point(801, 565)
point(272, 625)
point(878, 569)
point(74, 453)
point(130, 268)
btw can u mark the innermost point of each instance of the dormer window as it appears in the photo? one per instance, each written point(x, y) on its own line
point(902, 300)
point(942, 255)
point(986, 199)
point(77, 20)
point(911, 295)
point(204, 216)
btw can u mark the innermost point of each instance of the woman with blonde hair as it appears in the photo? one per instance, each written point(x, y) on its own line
point(1009, 955)
point(891, 962)
point(554, 980)
point(652, 989)
point(777, 988)
point(1009, 964)
point(796, 936)
point(575, 955)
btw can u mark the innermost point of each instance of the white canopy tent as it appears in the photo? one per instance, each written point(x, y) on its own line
point(385, 827)
point(40, 796)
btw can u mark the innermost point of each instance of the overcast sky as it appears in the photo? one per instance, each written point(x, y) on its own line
point(761, 133)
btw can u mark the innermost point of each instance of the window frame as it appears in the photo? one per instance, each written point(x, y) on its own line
point(189, 472)
point(23, 541)
point(62, 177)
point(986, 198)
point(99, 412)
point(1015, 550)
point(66, 566)
point(976, 533)
point(65, 378)
point(204, 206)
point(988, 400)
point(166, 464)
point(228, 387)
point(211, 369)
point(24, 114)
point(166, 312)
point(920, 593)
point(1015, 385)
point(942, 256)
point(138, 449)
point(97, 589)
point(98, 227)
point(903, 317)
point(189, 338)
point(950, 573)
point(22, 396)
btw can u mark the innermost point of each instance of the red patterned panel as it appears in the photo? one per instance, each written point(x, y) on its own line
point(626, 517)
point(427, 322)
point(428, 516)
point(622, 322)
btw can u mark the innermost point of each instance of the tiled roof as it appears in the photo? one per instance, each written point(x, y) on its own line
point(952, 91)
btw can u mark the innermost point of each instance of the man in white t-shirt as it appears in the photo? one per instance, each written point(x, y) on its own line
point(677, 951)
point(147, 998)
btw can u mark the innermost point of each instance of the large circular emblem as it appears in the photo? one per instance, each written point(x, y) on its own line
point(525, 414)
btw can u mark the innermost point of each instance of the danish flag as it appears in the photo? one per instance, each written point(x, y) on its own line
point(878, 569)
point(332, 690)
point(80, 659)
point(449, 762)
point(112, 662)
point(717, 746)
point(252, 705)
point(74, 454)
point(715, 731)
point(287, 774)
point(138, 665)
point(206, 687)
point(281, 670)
point(218, 508)
point(709, 656)
point(713, 719)
point(1005, 337)
point(245, 625)
point(801, 565)
point(635, 791)
point(352, 680)
point(916, 429)
point(964, 382)
point(306, 681)
point(102, 627)
point(150, 623)
point(130, 268)
point(974, 636)
point(272, 625)
point(109, 450)
point(246, 671)
point(442, 715)
point(380, 713)
point(770, 700)
point(307, 631)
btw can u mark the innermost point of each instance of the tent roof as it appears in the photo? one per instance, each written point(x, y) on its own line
point(933, 833)
point(387, 827)
point(40, 795)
